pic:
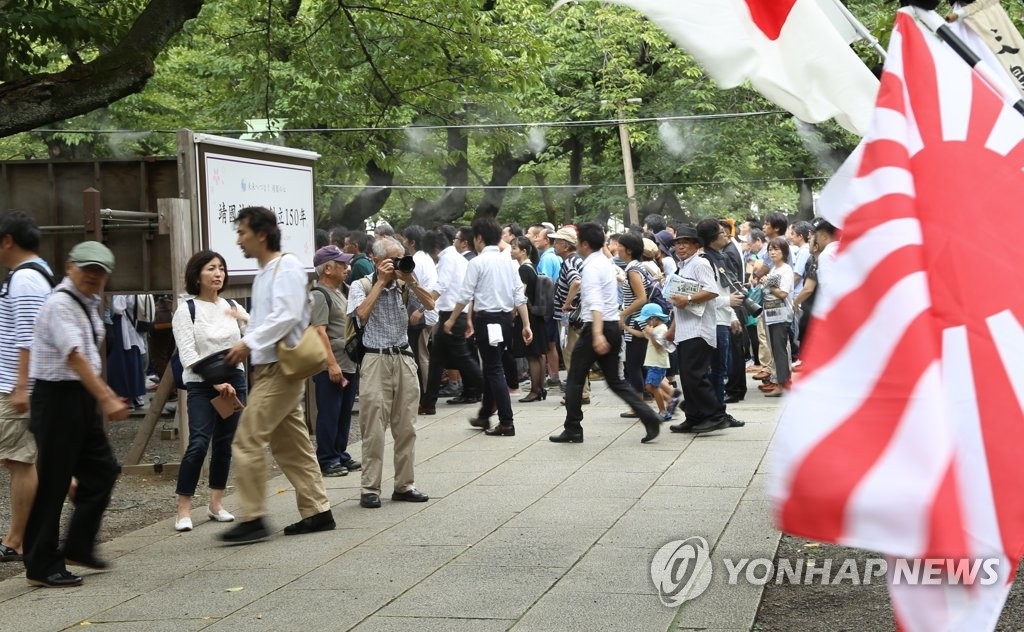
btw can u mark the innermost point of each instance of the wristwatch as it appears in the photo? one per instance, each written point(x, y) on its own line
point(689, 298)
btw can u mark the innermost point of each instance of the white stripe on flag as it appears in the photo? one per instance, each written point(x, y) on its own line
point(1009, 340)
point(862, 256)
point(907, 475)
point(841, 387)
point(979, 514)
point(1005, 133)
point(955, 98)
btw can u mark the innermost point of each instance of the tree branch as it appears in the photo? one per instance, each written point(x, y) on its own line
point(48, 97)
point(369, 57)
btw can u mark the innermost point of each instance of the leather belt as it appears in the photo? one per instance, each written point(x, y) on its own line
point(402, 349)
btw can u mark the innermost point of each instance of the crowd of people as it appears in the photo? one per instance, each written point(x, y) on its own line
point(674, 314)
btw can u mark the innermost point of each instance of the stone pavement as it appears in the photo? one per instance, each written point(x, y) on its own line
point(520, 534)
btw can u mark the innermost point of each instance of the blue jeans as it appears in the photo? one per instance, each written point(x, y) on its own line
point(721, 362)
point(334, 419)
point(204, 425)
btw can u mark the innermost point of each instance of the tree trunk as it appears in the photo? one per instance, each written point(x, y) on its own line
point(44, 98)
point(572, 205)
point(367, 202)
point(504, 167)
point(452, 204)
point(805, 197)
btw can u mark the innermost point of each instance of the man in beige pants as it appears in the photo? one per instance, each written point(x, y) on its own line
point(273, 415)
point(389, 391)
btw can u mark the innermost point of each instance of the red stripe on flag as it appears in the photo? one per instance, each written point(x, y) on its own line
point(831, 335)
point(882, 153)
point(984, 112)
point(922, 85)
point(823, 482)
point(890, 93)
point(1015, 157)
point(946, 529)
point(1001, 421)
point(875, 213)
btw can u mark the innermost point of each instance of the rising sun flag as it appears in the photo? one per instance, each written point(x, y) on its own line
point(905, 432)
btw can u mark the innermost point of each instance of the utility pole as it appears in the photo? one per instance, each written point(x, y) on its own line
point(627, 162)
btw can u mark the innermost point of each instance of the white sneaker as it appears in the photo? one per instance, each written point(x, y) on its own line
point(183, 524)
point(220, 516)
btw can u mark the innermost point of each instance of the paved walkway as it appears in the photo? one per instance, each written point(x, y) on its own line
point(520, 534)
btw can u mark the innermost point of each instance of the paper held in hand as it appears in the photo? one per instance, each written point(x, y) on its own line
point(676, 285)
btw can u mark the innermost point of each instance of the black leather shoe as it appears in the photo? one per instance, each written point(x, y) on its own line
point(684, 427)
point(478, 422)
point(462, 399)
point(653, 430)
point(711, 425)
point(369, 501)
point(63, 579)
point(733, 399)
point(566, 437)
point(411, 495)
point(246, 532)
point(323, 521)
point(735, 423)
point(423, 410)
point(88, 561)
point(501, 430)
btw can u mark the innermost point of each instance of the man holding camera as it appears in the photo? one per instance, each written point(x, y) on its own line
point(389, 390)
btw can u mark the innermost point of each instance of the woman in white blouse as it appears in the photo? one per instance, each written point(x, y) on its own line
point(203, 326)
point(778, 314)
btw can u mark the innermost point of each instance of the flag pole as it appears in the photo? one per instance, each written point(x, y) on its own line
point(937, 25)
point(860, 28)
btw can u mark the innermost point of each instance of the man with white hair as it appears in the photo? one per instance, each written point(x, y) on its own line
point(389, 390)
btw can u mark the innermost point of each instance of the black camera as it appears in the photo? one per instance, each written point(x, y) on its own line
point(404, 264)
point(753, 307)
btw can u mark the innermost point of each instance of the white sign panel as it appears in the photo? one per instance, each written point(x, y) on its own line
point(233, 183)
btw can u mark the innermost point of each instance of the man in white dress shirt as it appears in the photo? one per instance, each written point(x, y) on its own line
point(600, 339)
point(273, 415)
point(494, 288)
point(448, 350)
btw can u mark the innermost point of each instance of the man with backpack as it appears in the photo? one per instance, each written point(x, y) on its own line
point(337, 385)
point(29, 281)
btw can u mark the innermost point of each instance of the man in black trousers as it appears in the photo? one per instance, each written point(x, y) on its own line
point(600, 339)
point(65, 364)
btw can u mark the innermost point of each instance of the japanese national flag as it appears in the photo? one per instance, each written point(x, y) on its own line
point(790, 51)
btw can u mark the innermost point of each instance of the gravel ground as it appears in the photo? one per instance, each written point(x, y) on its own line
point(864, 608)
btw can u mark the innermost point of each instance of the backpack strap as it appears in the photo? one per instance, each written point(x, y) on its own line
point(327, 299)
point(192, 309)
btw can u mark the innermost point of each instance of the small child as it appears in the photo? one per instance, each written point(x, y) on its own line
point(653, 323)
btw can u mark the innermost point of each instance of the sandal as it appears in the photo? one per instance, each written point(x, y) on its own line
point(7, 554)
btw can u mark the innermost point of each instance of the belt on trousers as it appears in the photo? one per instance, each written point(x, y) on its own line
point(402, 349)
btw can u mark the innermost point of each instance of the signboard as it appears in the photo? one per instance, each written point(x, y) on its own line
point(234, 174)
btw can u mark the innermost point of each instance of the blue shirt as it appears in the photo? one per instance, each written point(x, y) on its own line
point(549, 264)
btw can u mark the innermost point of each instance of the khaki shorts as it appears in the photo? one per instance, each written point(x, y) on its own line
point(17, 443)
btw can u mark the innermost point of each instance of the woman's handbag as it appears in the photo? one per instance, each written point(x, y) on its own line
point(304, 359)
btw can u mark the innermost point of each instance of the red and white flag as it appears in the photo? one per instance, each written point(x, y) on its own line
point(789, 50)
point(905, 432)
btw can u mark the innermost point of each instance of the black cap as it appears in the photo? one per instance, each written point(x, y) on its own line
point(688, 232)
